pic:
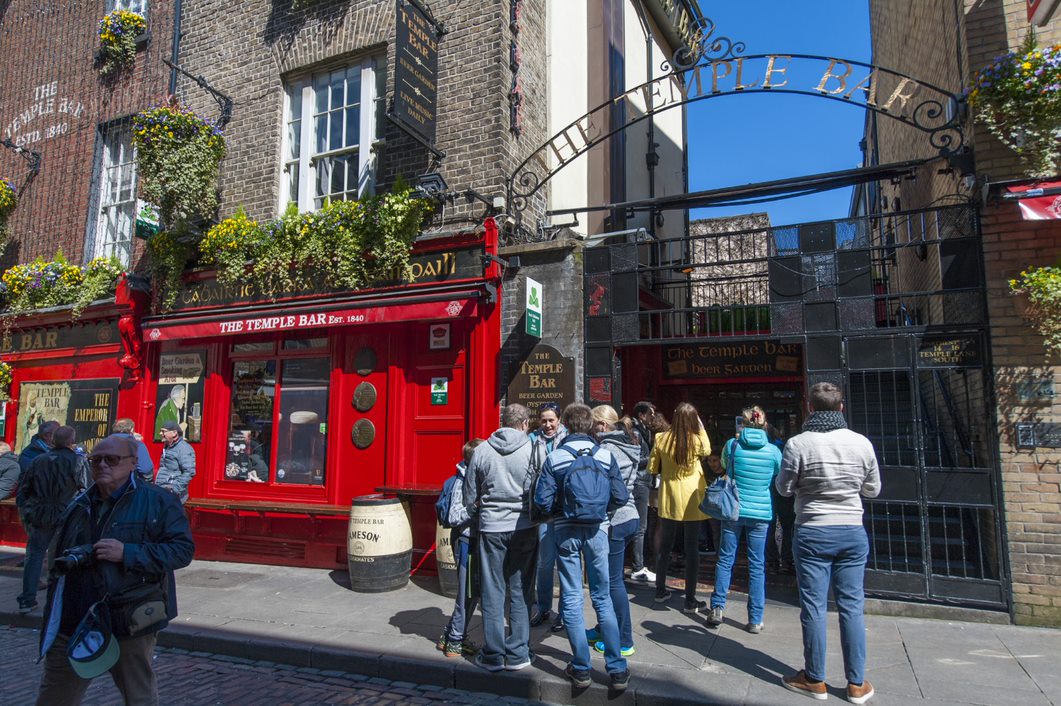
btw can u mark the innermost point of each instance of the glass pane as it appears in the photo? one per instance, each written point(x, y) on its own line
point(338, 176)
point(251, 423)
point(294, 139)
point(335, 128)
point(292, 181)
point(304, 343)
point(265, 346)
point(338, 84)
point(303, 422)
point(353, 124)
point(322, 133)
point(320, 88)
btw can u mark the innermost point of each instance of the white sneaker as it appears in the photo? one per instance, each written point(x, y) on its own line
point(644, 576)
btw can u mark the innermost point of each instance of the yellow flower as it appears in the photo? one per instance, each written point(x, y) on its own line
point(1027, 65)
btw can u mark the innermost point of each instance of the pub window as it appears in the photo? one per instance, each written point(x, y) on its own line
point(116, 169)
point(279, 418)
point(137, 6)
point(330, 123)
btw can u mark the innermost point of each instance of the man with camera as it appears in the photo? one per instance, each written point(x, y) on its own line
point(116, 549)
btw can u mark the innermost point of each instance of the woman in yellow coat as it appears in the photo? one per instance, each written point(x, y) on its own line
point(676, 458)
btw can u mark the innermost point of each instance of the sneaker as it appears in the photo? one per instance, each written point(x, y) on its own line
point(442, 642)
point(715, 617)
point(488, 666)
point(800, 684)
point(24, 608)
point(620, 680)
point(593, 635)
point(464, 648)
point(540, 617)
point(598, 646)
point(859, 694)
point(558, 624)
point(693, 606)
point(643, 575)
point(579, 677)
point(516, 666)
point(754, 628)
point(662, 596)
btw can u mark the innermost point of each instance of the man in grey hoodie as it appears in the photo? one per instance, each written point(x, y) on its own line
point(508, 540)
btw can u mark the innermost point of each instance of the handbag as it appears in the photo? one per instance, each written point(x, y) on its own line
point(136, 610)
point(722, 500)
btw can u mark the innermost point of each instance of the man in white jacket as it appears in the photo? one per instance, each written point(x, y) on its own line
point(829, 469)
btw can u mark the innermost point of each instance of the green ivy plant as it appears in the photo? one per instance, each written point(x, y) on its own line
point(5, 381)
point(1042, 286)
point(167, 257)
point(178, 155)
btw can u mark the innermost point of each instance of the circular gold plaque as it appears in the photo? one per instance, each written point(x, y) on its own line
point(364, 396)
point(363, 433)
point(365, 361)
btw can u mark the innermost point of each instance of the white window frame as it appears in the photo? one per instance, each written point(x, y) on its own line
point(308, 159)
point(137, 6)
point(107, 242)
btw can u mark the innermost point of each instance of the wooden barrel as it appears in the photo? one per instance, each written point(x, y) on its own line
point(379, 545)
point(446, 561)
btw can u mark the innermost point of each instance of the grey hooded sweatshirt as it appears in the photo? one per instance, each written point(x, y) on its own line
point(627, 455)
point(496, 479)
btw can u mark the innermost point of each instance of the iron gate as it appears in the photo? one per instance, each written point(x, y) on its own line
point(890, 307)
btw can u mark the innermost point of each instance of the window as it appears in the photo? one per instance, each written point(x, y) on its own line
point(117, 195)
point(329, 126)
point(137, 6)
point(279, 418)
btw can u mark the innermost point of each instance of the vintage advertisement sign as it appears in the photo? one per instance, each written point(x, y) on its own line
point(67, 336)
point(949, 352)
point(721, 360)
point(416, 71)
point(86, 405)
point(180, 393)
point(544, 376)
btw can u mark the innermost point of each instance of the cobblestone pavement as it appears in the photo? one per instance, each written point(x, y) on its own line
point(203, 679)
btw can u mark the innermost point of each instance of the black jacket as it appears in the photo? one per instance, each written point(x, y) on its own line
point(9, 473)
point(34, 448)
point(47, 487)
point(150, 522)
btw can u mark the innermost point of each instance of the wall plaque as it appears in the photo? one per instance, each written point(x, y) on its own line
point(363, 433)
point(949, 352)
point(365, 361)
point(544, 376)
point(1041, 435)
point(721, 360)
point(364, 396)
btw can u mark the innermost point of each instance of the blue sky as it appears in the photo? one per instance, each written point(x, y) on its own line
point(742, 139)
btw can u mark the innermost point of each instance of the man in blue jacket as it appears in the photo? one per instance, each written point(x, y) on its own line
point(582, 495)
point(119, 541)
point(145, 468)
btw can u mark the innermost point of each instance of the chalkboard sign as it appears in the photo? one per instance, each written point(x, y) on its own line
point(950, 352)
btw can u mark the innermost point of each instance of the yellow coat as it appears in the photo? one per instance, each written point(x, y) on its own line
point(681, 486)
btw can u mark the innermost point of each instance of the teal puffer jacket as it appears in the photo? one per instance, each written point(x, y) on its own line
point(752, 462)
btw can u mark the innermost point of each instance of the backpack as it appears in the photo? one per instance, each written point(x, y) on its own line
point(530, 486)
point(587, 488)
point(445, 499)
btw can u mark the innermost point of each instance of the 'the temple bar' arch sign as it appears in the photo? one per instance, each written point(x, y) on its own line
point(928, 108)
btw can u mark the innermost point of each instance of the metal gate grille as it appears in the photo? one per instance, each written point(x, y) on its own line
point(892, 308)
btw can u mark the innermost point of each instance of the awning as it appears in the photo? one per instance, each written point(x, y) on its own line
point(323, 315)
point(1038, 202)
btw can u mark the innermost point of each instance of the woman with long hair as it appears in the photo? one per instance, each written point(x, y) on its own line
point(619, 437)
point(675, 457)
point(751, 461)
point(546, 438)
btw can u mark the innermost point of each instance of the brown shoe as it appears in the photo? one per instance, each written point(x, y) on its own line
point(859, 693)
point(800, 684)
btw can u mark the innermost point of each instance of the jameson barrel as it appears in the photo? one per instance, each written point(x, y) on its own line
point(379, 544)
point(445, 559)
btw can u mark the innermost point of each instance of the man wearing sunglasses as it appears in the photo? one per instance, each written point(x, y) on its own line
point(122, 539)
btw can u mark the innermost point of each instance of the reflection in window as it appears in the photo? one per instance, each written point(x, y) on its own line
point(251, 423)
point(303, 421)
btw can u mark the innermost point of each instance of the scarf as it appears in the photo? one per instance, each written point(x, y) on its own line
point(825, 421)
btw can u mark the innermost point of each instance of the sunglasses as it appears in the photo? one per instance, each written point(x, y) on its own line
point(546, 406)
point(110, 459)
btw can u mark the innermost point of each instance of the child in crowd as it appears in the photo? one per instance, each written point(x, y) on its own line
point(454, 641)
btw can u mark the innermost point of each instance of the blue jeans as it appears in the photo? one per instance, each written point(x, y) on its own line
point(641, 503)
point(466, 601)
point(618, 537)
point(507, 562)
point(546, 561)
point(755, 531)
point(572, 541)
point(837, 553)
point(37, 541)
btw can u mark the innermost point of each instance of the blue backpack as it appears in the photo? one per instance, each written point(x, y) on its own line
point(587, 489)
point(445, 499)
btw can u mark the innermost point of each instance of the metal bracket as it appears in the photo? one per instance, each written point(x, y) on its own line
point(223, 101)
point(34, 159)
point(422, 7)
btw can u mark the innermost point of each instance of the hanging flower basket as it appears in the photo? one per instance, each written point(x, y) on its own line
point(47, 283)
point(1042, 287)
point(117, 41)
point(5, 381)
point(178, 154)
point(1018, 98)
point(8, 199)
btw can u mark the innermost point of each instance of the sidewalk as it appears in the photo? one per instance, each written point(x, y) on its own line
point(308, 617)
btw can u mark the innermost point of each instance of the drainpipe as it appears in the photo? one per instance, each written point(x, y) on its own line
point(176, 47)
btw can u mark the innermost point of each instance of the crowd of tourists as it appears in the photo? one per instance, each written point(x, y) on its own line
point(587, 486)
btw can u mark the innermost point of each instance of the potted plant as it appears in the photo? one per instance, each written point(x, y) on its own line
point(118, 32)
point(1018, 98)
point(1042, 287)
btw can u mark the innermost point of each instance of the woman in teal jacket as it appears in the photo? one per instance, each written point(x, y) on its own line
point(751, 461)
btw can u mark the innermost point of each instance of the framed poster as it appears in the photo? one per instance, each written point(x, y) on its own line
point(89, 406)
point(180, 393)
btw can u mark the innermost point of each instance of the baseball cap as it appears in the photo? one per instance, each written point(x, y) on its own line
point(172, 426)
point(92, 649)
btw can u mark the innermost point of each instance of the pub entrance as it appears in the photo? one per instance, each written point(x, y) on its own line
point(890, 307)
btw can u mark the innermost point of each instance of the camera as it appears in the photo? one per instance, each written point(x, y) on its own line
point(74, 558)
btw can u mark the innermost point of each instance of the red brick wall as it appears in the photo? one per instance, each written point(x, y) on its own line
point(53, 45)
